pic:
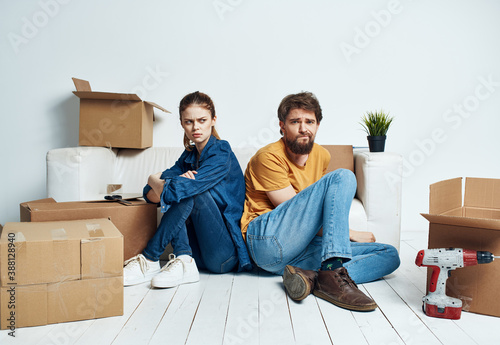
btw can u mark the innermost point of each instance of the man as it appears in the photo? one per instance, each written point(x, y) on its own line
point(296, 218)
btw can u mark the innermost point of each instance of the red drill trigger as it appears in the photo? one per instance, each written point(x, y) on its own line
point(434, 278)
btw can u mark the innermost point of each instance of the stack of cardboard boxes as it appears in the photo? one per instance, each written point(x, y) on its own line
point(54, 272)
point(64, 261)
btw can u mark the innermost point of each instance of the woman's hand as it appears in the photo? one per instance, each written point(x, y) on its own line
point(189, 174)
point(361, 236)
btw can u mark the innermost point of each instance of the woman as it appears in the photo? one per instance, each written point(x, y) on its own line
point(201, 198)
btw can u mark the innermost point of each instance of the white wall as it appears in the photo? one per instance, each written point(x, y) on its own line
point(421, 60)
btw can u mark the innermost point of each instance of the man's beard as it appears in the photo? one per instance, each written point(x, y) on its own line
point(298, 148)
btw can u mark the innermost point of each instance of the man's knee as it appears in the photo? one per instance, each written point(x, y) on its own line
point(344, 176)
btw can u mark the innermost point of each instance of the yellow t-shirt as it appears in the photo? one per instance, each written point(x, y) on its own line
point(271, 169)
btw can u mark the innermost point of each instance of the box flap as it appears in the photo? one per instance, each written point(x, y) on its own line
point(341, 157)
point(445, 196)
point(81, 85)
point(157, 106)
point(107, 95)
point(491, 224)
point(40, 201)
point(482, 192)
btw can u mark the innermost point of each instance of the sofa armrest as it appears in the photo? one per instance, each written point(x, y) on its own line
point(379, 177)
point(79, 173)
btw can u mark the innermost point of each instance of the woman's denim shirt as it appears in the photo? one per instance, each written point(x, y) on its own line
point(218, 172)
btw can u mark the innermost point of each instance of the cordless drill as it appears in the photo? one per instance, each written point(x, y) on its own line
point(443, 261)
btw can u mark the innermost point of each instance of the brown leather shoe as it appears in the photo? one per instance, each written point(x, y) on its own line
point(338, 288)
point(298, 283)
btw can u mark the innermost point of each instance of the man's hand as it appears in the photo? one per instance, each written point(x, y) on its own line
point(361, 236)
point(189, 174)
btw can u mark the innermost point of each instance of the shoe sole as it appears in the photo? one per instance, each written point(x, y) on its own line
point(330, 299)
point(296, 285)
point(167, 285)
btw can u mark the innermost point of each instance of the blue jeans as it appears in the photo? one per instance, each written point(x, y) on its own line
point(195, 227)
point(287, 234)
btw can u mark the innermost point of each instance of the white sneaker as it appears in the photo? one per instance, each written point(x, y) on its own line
point(139, 270)
point(176, 272)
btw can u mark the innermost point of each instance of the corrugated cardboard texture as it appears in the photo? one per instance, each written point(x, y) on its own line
point(49, 252)
point(477, 286)
point(115, 123)
point(101, 258)
point(137, 222)
point(85, 299)
point(341, 157)
point(114, 119)
point(29, 304)
point(445, 197)
point(482, 192)
point(43, 304)
point(478, 229)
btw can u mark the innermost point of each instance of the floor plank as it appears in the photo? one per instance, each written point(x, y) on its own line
point(307, 322)
point(375, 327)
point(105, 330)
point(401, 317)
point(210, 321)
point(177, 320)
point(417, 275)
point(28, 335)
point(141, 326)
point(342, 326)
point(275, 323)
point(243, 320)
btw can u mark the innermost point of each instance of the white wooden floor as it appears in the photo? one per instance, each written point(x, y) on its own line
point(252, 308)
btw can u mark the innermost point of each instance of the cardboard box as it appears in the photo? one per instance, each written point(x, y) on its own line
point(114, 119)
point(54, 252)
point(42, 304)
point(54, 272)
point(473, 224)
point(137, 221)
point(341, 157)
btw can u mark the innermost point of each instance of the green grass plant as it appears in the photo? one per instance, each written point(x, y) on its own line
point(376, 123)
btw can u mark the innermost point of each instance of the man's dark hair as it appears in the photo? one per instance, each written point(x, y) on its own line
point(302, 100)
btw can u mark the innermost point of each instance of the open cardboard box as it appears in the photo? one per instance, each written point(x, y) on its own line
point(114, 119)
point(137, 221)
point(473, 224)
point(62, 271)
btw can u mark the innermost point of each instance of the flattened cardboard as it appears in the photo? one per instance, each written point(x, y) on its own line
point(51, 252)
point(341, 157)
point(137, 221)
point(114, 119)
point(476, 228)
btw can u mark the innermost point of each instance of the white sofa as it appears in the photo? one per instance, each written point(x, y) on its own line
point(83, 173)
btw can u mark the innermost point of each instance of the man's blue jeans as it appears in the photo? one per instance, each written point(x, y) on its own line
point(195, 227)
point(287, 234)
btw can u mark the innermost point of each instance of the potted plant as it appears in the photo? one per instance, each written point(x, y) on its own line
point(376, 125)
